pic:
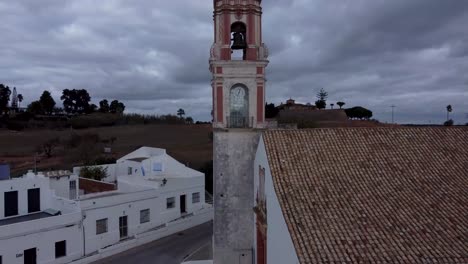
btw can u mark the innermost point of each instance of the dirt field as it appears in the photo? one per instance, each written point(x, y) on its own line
point(189, 144)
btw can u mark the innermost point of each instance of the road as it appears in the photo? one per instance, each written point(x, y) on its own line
point(168, 250)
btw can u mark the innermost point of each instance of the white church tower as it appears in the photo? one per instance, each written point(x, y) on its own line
point(238, 60)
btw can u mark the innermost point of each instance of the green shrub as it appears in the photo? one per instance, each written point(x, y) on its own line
point(93, 173)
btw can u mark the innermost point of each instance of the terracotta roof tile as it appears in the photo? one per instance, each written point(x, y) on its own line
point(373, 195)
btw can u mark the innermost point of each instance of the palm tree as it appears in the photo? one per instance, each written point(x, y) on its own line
point(20, 99)
point(449, 110)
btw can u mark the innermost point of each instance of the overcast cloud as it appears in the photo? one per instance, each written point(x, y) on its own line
point(153, 54)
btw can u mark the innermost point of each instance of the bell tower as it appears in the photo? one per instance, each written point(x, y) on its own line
point(237, 62)
point(238, 59)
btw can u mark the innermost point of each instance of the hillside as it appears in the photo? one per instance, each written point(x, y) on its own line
point(189, 144)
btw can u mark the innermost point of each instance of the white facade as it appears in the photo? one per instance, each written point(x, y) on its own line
point(64, 183)
point(145, 207)
point(280, 248)
point(147, 178)
point(39, 230)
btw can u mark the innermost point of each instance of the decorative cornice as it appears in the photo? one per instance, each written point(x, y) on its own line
point(236, 8)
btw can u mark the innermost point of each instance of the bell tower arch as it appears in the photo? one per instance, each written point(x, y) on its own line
point(238, 56)
point(238, 59)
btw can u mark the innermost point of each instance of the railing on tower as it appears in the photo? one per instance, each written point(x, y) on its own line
point(240, 122)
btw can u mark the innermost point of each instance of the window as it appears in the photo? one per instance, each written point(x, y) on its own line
point(239, 106)
point(11, 203)
point(101, 226)
point(123, 226)
point(144, 216)
point(60, 249)
point(130, 171)
point(72, 188)
point(157, 166)
point(170, 203)
point(196, 197)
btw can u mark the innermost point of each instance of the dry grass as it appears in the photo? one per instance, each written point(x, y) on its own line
point(189, 144)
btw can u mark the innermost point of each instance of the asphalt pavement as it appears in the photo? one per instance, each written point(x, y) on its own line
point(169, 250)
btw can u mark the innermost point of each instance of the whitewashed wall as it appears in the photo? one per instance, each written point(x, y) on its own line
point(61, 185)
point(41, 233)
point(280, 248)
point(46, 232)
point(22, 186)
point(130, 204)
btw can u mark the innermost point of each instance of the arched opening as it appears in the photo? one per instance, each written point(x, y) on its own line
point(238, 41)
point(239, 106)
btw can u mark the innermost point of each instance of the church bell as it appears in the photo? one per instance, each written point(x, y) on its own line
point(239, 41)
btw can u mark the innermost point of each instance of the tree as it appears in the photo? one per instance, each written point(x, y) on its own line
point(116, 107)
point(358, 112)
point(5, 93)
point(332, 105)
point(75, 101)
point(448, 122)
point(340, 104)
point(320, 104)
point(449, 110)
point(189, 120)
point(104, 106)
point(49, 146)
point(91, 109)
point(47, 102)
point(20, 99)
point(322, 97)
point(271, 111)
point(35, 108)
point(181, 112)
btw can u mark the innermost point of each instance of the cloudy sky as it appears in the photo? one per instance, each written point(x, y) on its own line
point(153, 54)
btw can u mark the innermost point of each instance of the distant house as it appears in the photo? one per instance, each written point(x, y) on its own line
point(291, 105)
point(362, 195)
point(147, 195)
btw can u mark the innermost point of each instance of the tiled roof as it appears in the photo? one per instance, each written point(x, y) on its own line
point(373, 195)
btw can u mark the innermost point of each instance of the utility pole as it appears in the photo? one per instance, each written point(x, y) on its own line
point(393, 113)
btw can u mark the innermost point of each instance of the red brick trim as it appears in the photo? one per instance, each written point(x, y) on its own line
point(219, 104)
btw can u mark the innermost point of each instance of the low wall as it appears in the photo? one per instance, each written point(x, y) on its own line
point(92, 186)
point(171, 228)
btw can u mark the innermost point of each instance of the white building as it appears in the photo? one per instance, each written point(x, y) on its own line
point(154, 190)
point(35, 224)
point(154, 196)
